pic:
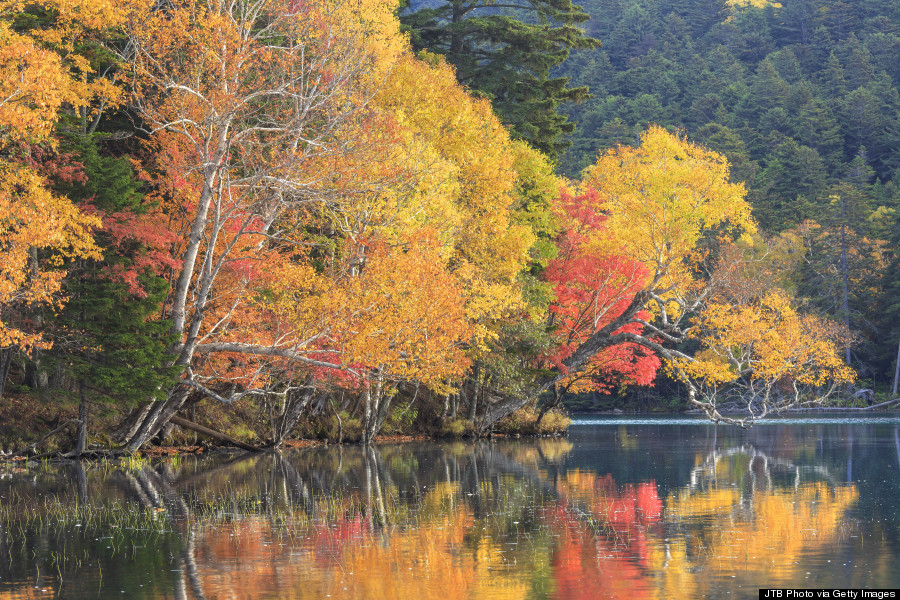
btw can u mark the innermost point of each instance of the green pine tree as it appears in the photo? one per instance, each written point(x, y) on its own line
point(110, 341)
point(507, 52)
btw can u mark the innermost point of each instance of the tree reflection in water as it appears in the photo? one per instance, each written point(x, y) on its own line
point(477, 520)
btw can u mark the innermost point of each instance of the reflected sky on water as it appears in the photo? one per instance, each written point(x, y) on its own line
point(647, 508)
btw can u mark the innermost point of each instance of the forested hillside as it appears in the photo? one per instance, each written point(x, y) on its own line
point(802, 98)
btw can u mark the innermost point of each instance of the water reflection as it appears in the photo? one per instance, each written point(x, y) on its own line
point(637, 511)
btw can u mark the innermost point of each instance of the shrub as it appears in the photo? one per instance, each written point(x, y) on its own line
point(555, 422)
point(457, 428)
point(524, 422)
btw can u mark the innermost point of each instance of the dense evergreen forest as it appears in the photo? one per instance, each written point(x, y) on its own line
point(802, 97)
point(342, 219)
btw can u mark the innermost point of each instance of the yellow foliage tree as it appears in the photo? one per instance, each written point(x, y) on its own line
point(765, 355)
point(38, 231)
point(659, 199)
point(403, 320)
point(654, 204)
point(461, 182)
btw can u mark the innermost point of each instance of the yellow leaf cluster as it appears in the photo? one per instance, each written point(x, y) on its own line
point(406, 313)
point(39, 76)
point(40, 72)
point(33, 86)
point(466, 188)
point(660, 197)
point(447, 164)
point(34, 219)
point(768, 341)
point(374, 24)
point(403, 314)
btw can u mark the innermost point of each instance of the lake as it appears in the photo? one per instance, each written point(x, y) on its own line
point(622, 508)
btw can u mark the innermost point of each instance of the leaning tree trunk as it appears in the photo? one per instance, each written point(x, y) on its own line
point(161, 411)
point(496, 407)
point(557, 398)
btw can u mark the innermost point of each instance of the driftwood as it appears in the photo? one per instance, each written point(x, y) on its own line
point(212, 433)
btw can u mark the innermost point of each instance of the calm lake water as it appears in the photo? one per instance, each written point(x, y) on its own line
point(623, 508)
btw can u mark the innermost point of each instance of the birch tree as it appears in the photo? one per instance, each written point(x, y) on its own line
point(248, 100)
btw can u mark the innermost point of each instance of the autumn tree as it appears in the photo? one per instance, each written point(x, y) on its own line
point(592, 288)
point(249, 113)
point(458, 216)
point(651, 212)
point(763, 356)
point(405, 322)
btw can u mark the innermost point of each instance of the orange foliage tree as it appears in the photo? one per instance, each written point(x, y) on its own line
point(404, 320)
point(420, 267)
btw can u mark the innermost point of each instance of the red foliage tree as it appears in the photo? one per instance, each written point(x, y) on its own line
point(593, 288)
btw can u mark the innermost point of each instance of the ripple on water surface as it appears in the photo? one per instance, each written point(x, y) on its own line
point(805, 419)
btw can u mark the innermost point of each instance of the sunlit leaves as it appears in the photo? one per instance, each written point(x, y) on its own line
point(38, 230)
point(591, 290)
point(769, 349)
point(632, 233)
point(406, 312)
point(468, 189)
point(661, 196)
point(40, 73)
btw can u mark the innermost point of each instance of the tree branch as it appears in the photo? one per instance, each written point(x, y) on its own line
point(267, 351)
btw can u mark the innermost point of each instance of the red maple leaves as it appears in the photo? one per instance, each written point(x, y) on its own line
point(592, 288)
